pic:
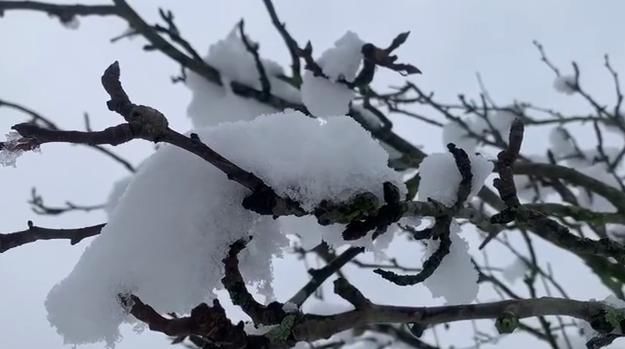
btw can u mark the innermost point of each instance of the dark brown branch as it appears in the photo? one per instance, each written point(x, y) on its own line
point(39, 207)
point(240, 296)
point(35, 233)
point(38, 118)
point(321, 275)
point(347, 291)
point(312, 327)
point(440, 231)
point(291, 44)
point(252, 48)
point(206, 321)
point(64, 12)
point(570, 175)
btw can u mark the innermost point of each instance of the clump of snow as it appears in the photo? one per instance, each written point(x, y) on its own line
point(565, 84)
point(455, 269)
point(254, 330)
point(562, 144)
point(172, 227)
point(372, 121)
point(342, 60)
point(327, 97)
point(116, 193)
point(440, 177)
point(10, 151)
point(454, 132)
point(212, 104)
point(501, 120)
point(527, 190)
point(515, 270)
point(324, 98)
point(592, 200)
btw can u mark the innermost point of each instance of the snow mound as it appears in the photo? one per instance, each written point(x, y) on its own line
point(172, 226)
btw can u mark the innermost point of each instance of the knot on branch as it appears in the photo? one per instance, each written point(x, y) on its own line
point(206, 321)
point(379, 221)
point(507, 322)
point(148, 123)
point(608, 320)
point(357, 208)
point(264, 200)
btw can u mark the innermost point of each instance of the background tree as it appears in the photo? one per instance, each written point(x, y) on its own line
point(571, 196)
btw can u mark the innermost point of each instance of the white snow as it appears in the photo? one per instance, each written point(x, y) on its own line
point(9, 153)
point(212, 104)
point(561, 143)
point(515, 270)
point(119, 187)
point(170, 230)
point(455, 269)
point(594, 201)
point(501, 121)
point(342, 60)
point(454, 133)
point(440, 177)
point(565, 84)
point(325, 97)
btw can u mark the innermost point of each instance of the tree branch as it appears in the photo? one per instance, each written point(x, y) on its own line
point(35, 233)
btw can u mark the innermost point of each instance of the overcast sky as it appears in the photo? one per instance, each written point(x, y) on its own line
point(56, 71)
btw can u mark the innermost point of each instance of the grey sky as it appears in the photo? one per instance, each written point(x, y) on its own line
point(56, 71)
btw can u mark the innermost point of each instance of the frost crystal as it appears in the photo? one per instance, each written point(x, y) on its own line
point(172, 227)
point(565, 84)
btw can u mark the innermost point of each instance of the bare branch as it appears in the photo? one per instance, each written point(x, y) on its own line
point(35, 233)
